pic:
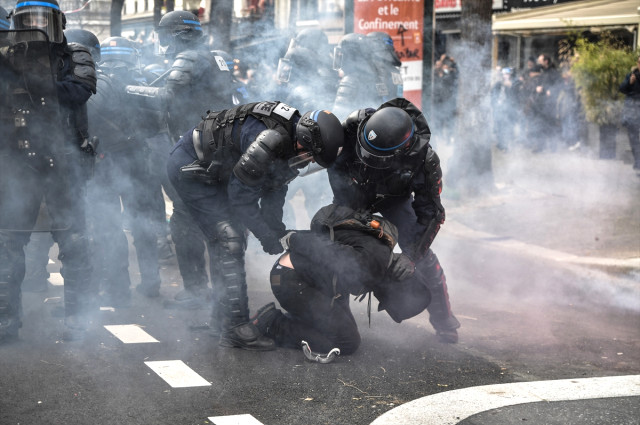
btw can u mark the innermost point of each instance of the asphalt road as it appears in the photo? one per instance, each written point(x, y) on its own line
point(524, 318)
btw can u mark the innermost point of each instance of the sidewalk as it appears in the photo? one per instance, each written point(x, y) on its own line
point(563, 202)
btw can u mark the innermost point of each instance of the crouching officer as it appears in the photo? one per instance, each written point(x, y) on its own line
point(388, 166)
point(345, 253)
point(232, 171)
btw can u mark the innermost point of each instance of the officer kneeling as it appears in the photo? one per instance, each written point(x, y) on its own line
point(345, 253)
point(232, 172)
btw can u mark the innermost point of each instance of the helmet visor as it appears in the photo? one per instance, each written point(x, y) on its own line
point(379, 161)
point(302, 160)
point(44, 18)
point(284, 70)
point(337, 58)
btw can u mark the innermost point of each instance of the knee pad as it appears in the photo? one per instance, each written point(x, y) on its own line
point(231, 239)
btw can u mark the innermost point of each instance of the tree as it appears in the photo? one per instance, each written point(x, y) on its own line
point(470, 167)
point(598, 68)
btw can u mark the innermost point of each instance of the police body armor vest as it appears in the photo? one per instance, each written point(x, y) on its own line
point(215, 143)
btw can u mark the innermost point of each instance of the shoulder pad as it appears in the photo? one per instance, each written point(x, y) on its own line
point(188, 55)
point(84, 68)
point(350, 125)
point(254, 164)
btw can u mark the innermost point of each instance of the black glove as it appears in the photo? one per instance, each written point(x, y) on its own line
point(271, 244)
point(402, 267)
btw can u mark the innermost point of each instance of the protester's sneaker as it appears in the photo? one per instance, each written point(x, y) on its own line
point(246, 336)
point(264, 318)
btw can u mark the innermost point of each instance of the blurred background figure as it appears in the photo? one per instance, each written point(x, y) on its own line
point(445, 94)
point(505, 108)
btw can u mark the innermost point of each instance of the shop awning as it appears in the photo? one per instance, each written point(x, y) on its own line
point(580, 14)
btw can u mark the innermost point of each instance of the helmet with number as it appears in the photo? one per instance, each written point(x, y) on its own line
point(178, 30)
point(320, 132)
point(384, 137)
point(119, 52)
point(383, 47)
point(5, 23)
point(44, 15)
point(86, 39)
point(353, 49)
point(226, 57)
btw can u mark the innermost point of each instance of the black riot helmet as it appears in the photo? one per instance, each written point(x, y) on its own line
point(310, 38)
point(5, 23)
point(382, 47)
point(224, 59)
point(384, 137)
point(353, 49)
point(320, 133)
point(177, 31)
point(44, 15)
point(298, 61)
point(85, 38)
point(119, 52)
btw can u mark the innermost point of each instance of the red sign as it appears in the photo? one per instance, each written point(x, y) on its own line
point(402, 20)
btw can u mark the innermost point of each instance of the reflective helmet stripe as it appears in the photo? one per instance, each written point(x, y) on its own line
point(364, 133)
point(37, 3)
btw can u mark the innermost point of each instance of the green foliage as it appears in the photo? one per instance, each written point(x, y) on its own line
point(598, 68)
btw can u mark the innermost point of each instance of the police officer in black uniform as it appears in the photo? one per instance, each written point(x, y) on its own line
point(232, 171)
point(46, 154)
point(368, 76)
point(196, 82)
point(388, 166)
point(305, 73)
point(345, 253)
point(122, 177)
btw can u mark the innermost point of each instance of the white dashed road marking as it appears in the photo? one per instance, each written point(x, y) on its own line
point(234, 420)
point(451, 407)
point(130, 334)
point(177, 374)
point(56, 279)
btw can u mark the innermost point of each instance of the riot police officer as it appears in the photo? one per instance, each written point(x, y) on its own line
point(365, 80)
point(388, 166)
point(305, 73)
point(122, 177)
point(46, 154)
point(196, 82)
point(232, 171)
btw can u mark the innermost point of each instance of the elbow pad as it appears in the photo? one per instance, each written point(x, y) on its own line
point(255, 163)
point(433, 173)
point(83, 66)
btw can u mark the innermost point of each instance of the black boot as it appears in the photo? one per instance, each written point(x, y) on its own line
point(446, 330)
point(194, 298)
point(246, 336)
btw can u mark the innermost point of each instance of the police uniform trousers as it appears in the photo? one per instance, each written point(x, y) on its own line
point(24, 184)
